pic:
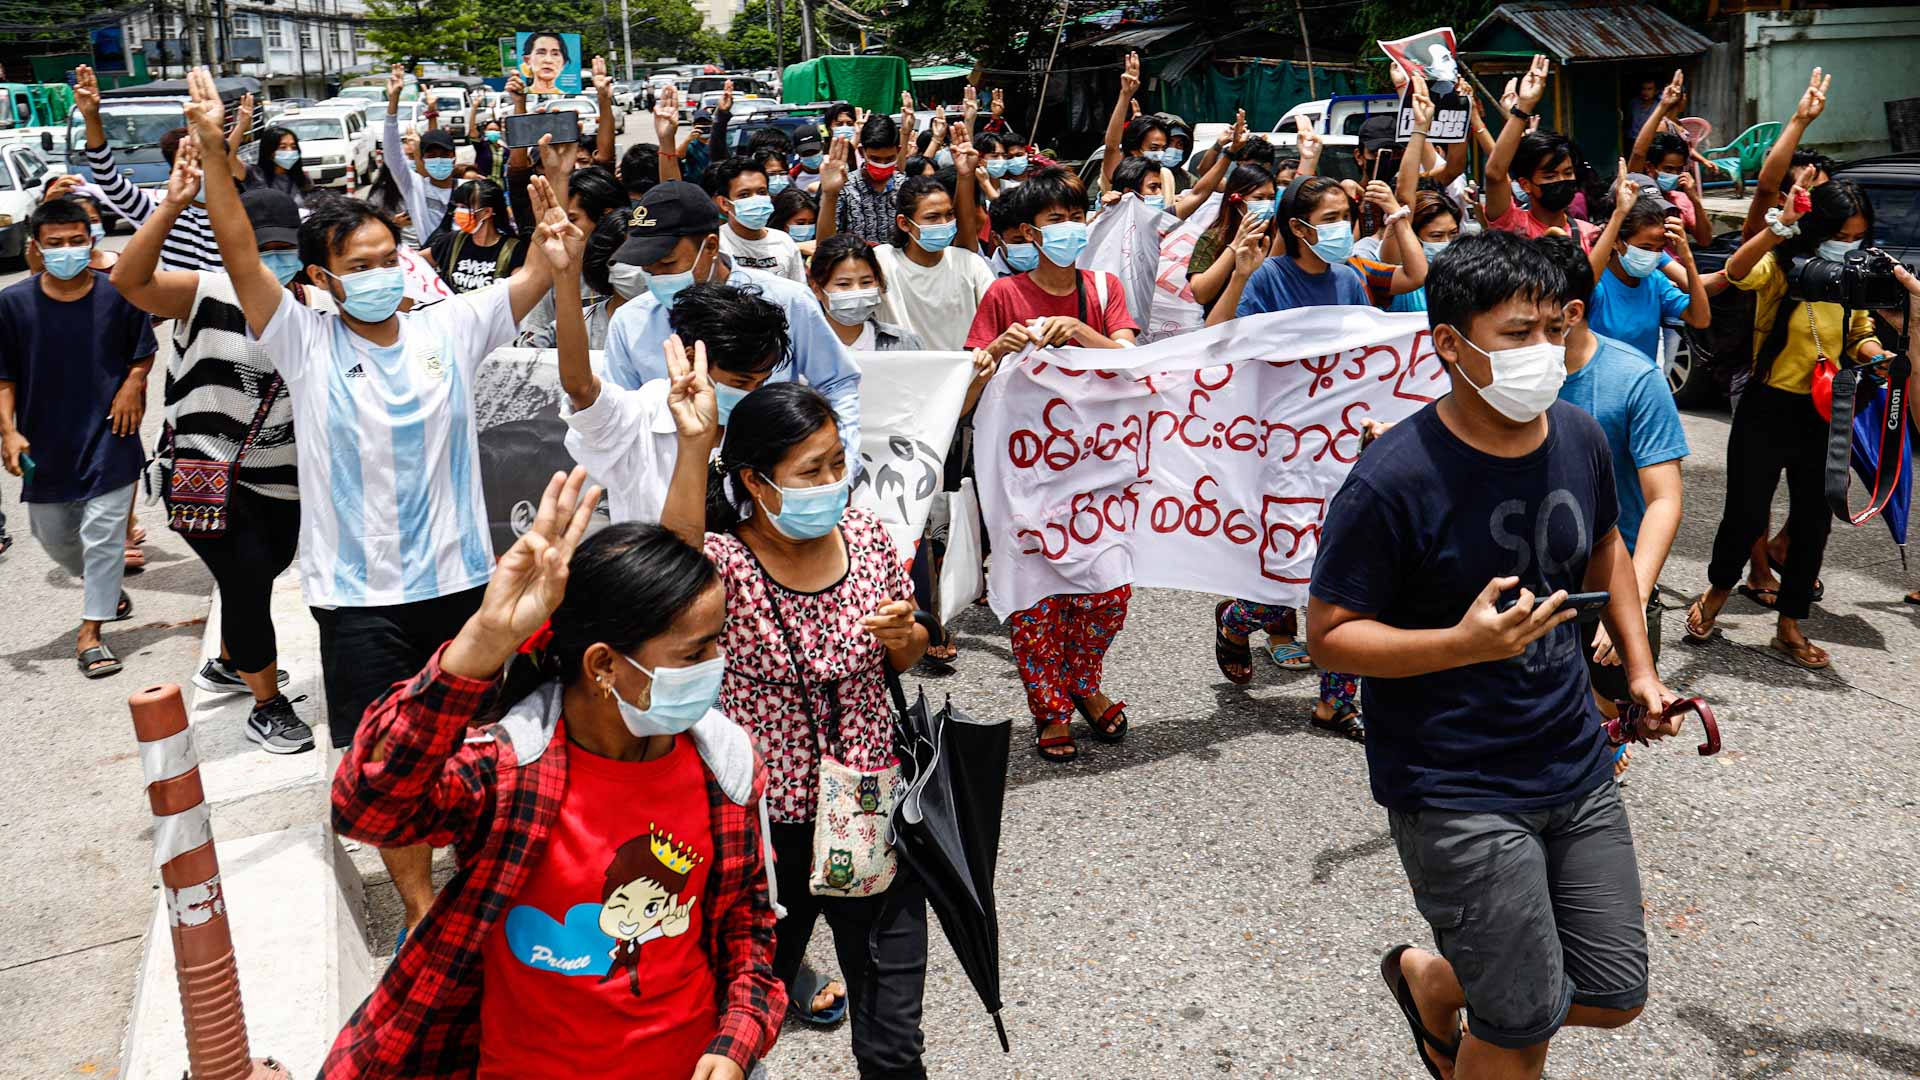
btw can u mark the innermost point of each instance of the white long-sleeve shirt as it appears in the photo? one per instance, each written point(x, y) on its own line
point(189, 245)
point(426, 202)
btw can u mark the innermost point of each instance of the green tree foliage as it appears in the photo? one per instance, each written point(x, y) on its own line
point(989, 31)
point(749, 44)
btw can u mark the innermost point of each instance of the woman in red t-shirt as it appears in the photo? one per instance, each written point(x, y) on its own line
point(1060, 642)
point(613, 903)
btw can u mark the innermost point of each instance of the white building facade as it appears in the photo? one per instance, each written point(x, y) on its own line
point(306, 47)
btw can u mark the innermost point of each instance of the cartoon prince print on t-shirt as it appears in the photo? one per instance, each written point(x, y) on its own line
point(642, 899)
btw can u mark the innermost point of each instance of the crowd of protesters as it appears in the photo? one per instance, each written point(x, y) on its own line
point(637, 721)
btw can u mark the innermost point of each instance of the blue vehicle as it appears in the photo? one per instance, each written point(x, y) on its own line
point(135, 118)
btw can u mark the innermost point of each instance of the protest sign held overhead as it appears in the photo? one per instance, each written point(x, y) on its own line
point(1431, 56)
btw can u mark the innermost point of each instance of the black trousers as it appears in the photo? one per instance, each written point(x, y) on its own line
point(1775, 431)
point(365, 650)
point(261, 536)
point(881, 942)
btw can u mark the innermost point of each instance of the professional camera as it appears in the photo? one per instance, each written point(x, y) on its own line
point(1862, 281)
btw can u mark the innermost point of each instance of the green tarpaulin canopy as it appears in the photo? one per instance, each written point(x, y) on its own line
point(873, 83)
point(940, 71)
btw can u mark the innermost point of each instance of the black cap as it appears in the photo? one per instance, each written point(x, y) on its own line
point(275, 218)
point(668, 212)
point(437, 139)
point(809, 142)
point(1379, 131)
point(702, 116)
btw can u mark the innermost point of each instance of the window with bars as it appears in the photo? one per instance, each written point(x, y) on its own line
point(276, 36)
point(133, 33)
point(306, 36)
point(243, 25)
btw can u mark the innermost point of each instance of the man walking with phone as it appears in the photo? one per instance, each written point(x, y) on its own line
point(1452, 565)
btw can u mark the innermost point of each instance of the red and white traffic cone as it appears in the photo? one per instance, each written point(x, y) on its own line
point(196, 908)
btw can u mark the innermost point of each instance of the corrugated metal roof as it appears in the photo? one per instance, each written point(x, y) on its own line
point(1137, 37)
point(1572, 32)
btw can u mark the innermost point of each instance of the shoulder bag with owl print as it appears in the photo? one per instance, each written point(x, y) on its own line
point(852, 808)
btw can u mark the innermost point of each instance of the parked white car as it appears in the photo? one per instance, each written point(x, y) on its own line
point(588, 109)
point(21, 181)
point(336, 145)
point(452, 103)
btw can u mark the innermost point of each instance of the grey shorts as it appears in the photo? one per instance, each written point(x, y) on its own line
point(1535, 911)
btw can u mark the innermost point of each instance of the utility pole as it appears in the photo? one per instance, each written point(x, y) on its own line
point(806, 29)
point(226, 53)
point(626, 38)
point(1306, 44)
point(777, 21)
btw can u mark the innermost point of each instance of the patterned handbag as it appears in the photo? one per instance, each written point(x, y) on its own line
point(197, 489)
point(852, 856)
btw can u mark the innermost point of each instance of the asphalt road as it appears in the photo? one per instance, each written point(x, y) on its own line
point(1210, 897)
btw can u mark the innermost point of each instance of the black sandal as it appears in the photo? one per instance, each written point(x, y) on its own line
point(1344, 722)
point(1403, 997)
point(98, 662)
point(1049, 746)
point(807, 985)
point(1766, 598)
point(1226, 653)
point(123, 610)
point(1111, 726)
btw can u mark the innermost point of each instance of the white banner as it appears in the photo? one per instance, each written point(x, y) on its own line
point(1202, 462)
point(909, 406)
point(1124, 240)
point(1174, 308)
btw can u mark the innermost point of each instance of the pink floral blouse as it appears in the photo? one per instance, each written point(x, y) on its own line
point(839, 660)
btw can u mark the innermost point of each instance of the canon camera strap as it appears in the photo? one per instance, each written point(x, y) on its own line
point(1848, 385)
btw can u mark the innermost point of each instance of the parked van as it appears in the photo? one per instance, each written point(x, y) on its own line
point(336, 145)
point(137, 116)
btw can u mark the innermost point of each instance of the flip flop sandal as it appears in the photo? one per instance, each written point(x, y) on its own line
point(1806, 654)
point(1226, 653)
point(134, 561)
point(124, 609)
point(1910, 598)
point(1344, 722)
point(1403, 997)
point(137, 536)
point(1766, 598)
point(1111, 727)
point(1819, 590)
point(98, 662)
point(1046, 745)
point(1289, 656)
point(1698, 608)
point(808, 985)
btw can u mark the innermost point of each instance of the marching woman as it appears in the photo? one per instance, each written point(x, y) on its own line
point(612, 904)
point(1249, 204)
point(817, 619)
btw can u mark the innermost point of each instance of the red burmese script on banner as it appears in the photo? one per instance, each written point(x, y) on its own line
point(1201, 462)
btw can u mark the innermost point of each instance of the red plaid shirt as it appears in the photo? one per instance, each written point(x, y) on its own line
point(435, 787)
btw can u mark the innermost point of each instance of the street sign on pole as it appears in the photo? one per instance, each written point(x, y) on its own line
point(508, 54)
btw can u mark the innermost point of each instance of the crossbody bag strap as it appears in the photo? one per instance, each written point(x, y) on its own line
point(793, 659)
point(259, 418)
point(500, 271)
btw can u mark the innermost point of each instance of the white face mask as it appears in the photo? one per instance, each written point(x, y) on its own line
point(627, 279)
point(1837, 250)
point(1525, 381)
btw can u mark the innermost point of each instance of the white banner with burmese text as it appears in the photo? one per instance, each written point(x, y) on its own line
point(1202, 462)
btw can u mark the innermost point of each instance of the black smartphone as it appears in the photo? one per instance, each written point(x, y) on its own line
point(525, 129)
point(1588, 604)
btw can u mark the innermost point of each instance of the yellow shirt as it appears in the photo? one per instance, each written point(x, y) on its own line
point(1793, 369)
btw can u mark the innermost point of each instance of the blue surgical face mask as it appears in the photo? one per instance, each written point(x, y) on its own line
point(1023, 257)
point(1017, 165)
point(1836, 250)
point(680, 697)
point(1260, 209)
point(286, 159)
point(944, 159)
point(1434, 247)
point(1158, 202)
point(813, 161)
point(372, 296)
point(97, 231)
point(1153, 156)
point(66, 263)
point(753, 212)
point(725, 398)
point(996, 167)
point(1063, 241)
point(1334, 241)
point(1667, 181)
point(439, 167)
point(845, 131)
point(936, 237)
point(778, 182)
point(284, 264)
point(493, 136)
point(809, 513)
point(1172, 156)
point(1639, 262)
point(803, 233)
point(665, 287)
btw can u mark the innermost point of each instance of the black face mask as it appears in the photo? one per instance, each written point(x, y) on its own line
point(1557, 196)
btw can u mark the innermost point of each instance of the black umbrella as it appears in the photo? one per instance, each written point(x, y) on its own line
point(946, 827)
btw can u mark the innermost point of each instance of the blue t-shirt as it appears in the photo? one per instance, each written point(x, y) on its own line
point(1620, 388)
point(67, 360)
point(1410, 301)
point(1421, 525)
point(1280, 285)
point(1633, 313)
